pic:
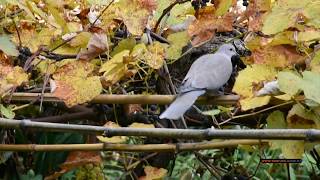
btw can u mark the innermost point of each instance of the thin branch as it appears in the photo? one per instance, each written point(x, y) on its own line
point(167, 10)
point(128, 147)
point(129, 99)
point(211, 170)
point(11, 15)
point(102, 13)
point(284, 134)
point(66, 117)
point(257, 112)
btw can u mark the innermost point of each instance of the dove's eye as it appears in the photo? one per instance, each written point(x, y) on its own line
point(231, 49)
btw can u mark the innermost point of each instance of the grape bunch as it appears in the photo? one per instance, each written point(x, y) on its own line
point(197, 4)
point(245, 3)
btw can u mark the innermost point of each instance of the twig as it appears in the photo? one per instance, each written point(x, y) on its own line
point(165, 11)
point(127, 147)
point(129, 99)
point(45, 82)
point(18, 33)
point(66, 117)
point(215, 174)
point(257, 112)
point(59, 57)
point(27, 64)
point(102, 13)
point(284, 134)
point(11, 15)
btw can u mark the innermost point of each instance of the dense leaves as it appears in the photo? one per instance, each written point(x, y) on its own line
point(77, 50)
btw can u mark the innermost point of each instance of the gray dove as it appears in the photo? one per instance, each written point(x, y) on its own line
point(208, 73)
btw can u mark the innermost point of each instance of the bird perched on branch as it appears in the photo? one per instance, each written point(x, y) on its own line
point(208, 73)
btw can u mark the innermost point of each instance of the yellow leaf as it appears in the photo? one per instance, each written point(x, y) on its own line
point(154, 57)
point(309, 35)
point(114, 139)
point(290, 12)
point(45, 66)
point(222, 6)
point(315, 63)
point(134, 14)
point(58, 18)
point(33, 40)
point(139, 50)
point(254, 74)
point(11, 77)
point(292, 149)
point(125, 44)
point(115, 68)
point(141, 125)
point(178, 14)
point(300, 118)
point(74, 85)
point(284, 97)
point(81, 40)
point(177, 42)
point(251, 103)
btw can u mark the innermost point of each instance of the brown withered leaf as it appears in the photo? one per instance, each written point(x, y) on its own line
point(153, 173)
point(277, 56)
point(97, 45)
point(76, 159)
point(205, 27)
point(79, 158)
point(255, 12)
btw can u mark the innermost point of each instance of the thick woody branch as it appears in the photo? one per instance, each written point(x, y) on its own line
point(129, 147)
point(285, 134)
point(129, 99)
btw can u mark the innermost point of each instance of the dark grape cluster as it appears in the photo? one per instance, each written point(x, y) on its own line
point(245, 3)
point(196, 4)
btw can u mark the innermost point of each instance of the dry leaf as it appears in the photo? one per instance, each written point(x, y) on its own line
point(97, 45)
point(204, 28)
point(74, 85)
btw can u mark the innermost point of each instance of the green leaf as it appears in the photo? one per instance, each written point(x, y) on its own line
point(7, 46)
point(212, 112)
point(223, 7)
point(177, 42)
point(7, 111)
point(311, 85)
point(125, 44)
point(286, 14)
point(59, 19)
point(289, 82)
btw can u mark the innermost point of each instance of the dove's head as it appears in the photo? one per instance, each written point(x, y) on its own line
point(228, 49)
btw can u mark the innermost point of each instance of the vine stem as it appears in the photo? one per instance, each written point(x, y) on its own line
point(261, 134)
point(128, 99)
point(129, 147)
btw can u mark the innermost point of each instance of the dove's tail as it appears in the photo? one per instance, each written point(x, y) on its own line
point(181, 104)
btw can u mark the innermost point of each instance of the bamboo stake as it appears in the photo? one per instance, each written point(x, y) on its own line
point(129, 99)
point(285, 134)
point(129, 147)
